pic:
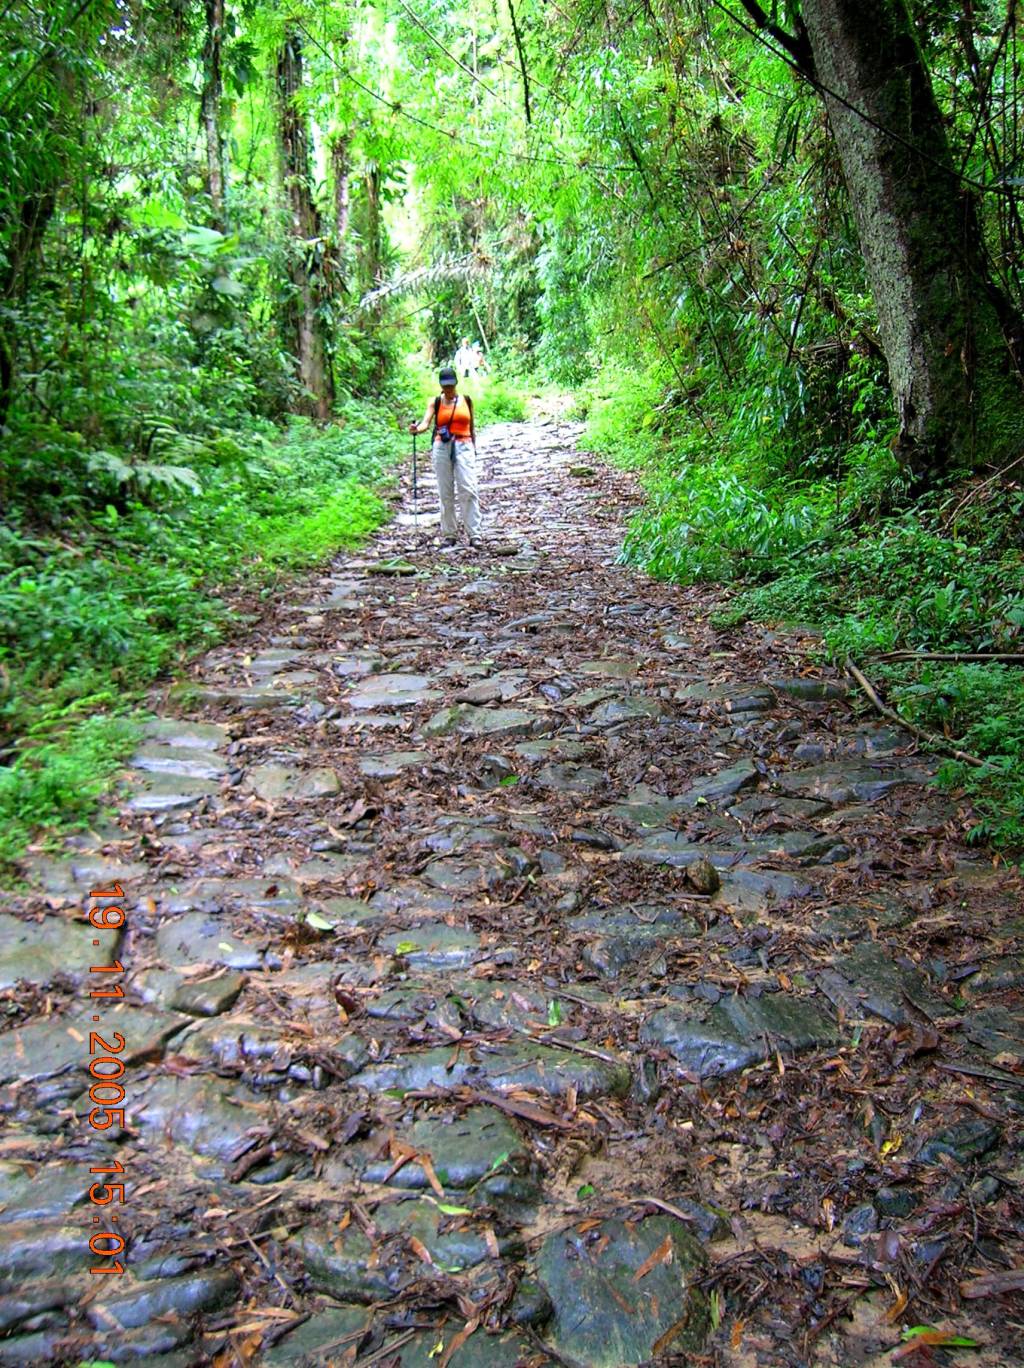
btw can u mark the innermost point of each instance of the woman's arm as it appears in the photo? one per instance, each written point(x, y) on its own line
point(426, 421)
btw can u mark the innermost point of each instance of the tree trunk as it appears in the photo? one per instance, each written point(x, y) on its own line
point(342, 192)
point(373, 246)
point(939, 313)
point(213, 93)
point(304, 321)
point(22, 255)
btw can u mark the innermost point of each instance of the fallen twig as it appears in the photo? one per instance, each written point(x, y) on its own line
point(1015, 658)
point(934, 741)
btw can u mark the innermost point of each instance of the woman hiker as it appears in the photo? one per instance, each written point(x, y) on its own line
point(450, 415)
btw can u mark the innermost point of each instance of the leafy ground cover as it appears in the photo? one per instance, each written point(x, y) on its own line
point(111, 571)
point(851, 554)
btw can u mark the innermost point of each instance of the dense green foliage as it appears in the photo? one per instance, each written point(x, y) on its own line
point(221, 215)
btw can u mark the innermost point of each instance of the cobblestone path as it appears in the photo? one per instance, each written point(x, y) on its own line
point(516, 970)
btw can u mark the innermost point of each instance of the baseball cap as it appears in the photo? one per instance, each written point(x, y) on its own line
point(448, 377)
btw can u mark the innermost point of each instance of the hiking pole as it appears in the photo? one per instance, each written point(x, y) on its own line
point(415, 491)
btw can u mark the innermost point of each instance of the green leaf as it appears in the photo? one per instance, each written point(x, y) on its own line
point(554, 1013)
point(405, 947)
point(319, 923)
point(509, 779)
point(947, 1340)
point(225, 285)
point(587, 1190)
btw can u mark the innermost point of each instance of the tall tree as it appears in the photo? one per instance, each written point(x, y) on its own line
point(213, 94)
point(307, 299)
point(941, 317)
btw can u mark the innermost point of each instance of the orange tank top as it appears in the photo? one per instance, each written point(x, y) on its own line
point(455, 416)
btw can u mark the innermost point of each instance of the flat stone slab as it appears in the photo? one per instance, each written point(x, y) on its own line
point(774, 805)
point(168, 731)
point(618, 938)
point(758, 890)
point(34, 952)
point(713, 788)
point(610, 1314)
point(736, 1032)
point(537, 1067)
point(463, 1150)
point(270, 695)
point(810, 690)
point(186, 762)
point(76, 876)
point(434, 946)
point(570, 778)
point(609, 667)
point(466, 719)
point(325, 1336)
point(31, 1193)
point(45, 1048)
point(199, 1113)
point(563, 746)
point(392, 691)
point(274, 892)
point(347, 1265)
point(276, 782)
point(672, 848)
point(867, 979)
point(167, 792)
point(509, 1005)
point(617, 710)
point(845, 783)
point(645, 807)
point(204, 938)
point(393, 763)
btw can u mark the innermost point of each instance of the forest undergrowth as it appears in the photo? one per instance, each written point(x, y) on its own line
point(889, 579)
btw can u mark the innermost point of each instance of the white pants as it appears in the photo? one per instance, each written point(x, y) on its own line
point(457, 478)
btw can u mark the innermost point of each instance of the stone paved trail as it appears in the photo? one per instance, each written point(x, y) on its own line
point(516, 971)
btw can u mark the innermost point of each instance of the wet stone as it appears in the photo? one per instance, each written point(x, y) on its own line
point(416, 1004)
point(850, 921)
point(197, 1112)
point(568, 778)
point(45, 1048)
point(964, 1142)
point(325, 1335)
point(997, 1031)
point(75, 877)
point(434, 946)
point(40, 1192)
point(645, 807)
point(714, 787)
point(203, 736)
point(182, 1297)
point(275, 782)
point(563, 746)
point(620, 937)
point(509, 1006)
point(480, 1350)
point(465, 719)
point(673, 848)
point(168, 793)
point(187, 762)
point(538, 1067)
point(463, 1150)
point(391, 691)
point(866, 978)
point(34, 952)
point(896, 1202)
point(859, 1224)
point(617, 710)
point(271, 893)
point(606, 1318)
point(202, 938)
point(270, 695)
point(612, 669)
point(846, 783)
point(810, 690)
point(736, 1032)
point(41, 1249)
point(393, 763)
point(750, 890)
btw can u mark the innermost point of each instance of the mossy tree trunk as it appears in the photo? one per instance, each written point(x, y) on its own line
point(306, 267)
point(213, 94)
point(940, 316)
